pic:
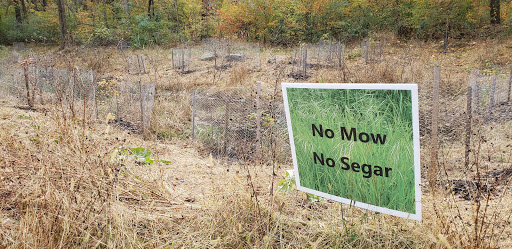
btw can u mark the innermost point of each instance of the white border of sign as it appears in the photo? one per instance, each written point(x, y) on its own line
point(416, 141)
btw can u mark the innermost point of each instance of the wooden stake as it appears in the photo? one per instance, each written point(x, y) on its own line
point(435, 117)
point(491, 98)
point(258, 121)
point(366, 44)
point(27, 85)
point(226, 122)
point(305, 60)
point(93, 85)
point(469, 117)
point(193, 113)
point(172, 58)
point(509, 87)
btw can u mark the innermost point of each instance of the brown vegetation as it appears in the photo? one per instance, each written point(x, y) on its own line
point(75, 183)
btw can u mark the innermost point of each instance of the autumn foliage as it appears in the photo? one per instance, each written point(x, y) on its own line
point(159, 22)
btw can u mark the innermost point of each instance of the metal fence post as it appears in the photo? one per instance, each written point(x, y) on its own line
point(172, 58)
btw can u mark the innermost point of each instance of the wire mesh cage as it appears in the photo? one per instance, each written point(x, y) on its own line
point(371, 51)
point(300, 62)
point(181, 59)
point(239, 123)
point(491, 96)
point(328, 53)
point(462, 115)
point(78, 93)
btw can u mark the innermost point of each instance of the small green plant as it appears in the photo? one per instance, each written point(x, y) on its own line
point(35, 125)
point(102, 36)
point(141, 155)
point(491, 69)
point(354, 54)
point(314, 198)
point(286, 185)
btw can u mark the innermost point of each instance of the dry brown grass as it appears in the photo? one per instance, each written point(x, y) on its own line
point(62, 190)
point(238, 75)
point(69, 186)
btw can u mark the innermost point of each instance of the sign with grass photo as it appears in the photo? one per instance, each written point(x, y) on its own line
point(357, 144)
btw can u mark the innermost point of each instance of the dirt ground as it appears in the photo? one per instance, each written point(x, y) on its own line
point(65, 184)
point(200, 194)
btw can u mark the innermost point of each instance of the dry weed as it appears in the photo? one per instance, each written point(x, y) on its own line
point(63, 184)
point(238, 75)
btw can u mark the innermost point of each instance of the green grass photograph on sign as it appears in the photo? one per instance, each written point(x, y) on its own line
point(355, 144)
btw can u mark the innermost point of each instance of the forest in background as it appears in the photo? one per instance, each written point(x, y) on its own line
point(278, 22)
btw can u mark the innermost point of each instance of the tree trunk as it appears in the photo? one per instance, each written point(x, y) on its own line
point(17, 12)
point(105, 14)
point(150, 2)
point(24, 8)
point(126, 8)
point(153, 9)
point(62, 23)
point(44, 5)
point(495, 11)
point(445, 44)
point(34, 2)
point(177, 17)
point(309, 32)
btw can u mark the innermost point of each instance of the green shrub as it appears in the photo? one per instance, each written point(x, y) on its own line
point(38, 27)
point(103, 36)
point(150, 31)
point(430, 21)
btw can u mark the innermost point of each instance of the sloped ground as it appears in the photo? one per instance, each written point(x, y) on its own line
point(67, 185)
point(70, 186)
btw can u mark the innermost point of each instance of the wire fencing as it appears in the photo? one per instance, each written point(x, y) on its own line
point(465, 116)
point(371, 51)
point(181, 58)
point(226, 119)
point(465, 146)
point(247, 122)
point(240, 123)
point(462, 122)
point(81, 94)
